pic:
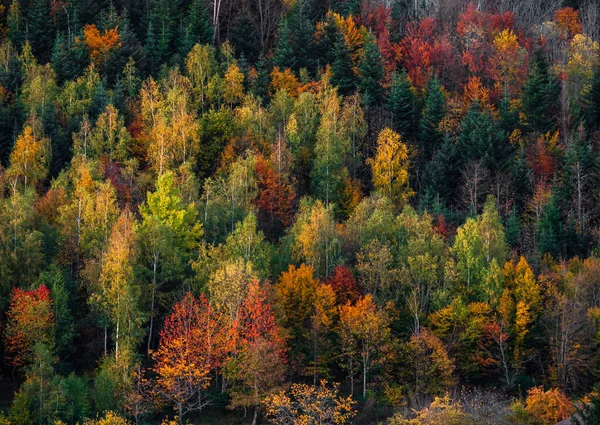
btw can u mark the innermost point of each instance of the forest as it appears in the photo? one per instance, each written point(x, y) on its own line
point(299, 212)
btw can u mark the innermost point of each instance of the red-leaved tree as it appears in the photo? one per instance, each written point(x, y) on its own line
point(190, 348)
point(30, 321)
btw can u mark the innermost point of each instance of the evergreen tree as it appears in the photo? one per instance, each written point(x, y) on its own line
point(302, 30)
point(343, 73)
point(588, 413)
point(371, 72)
point(283, 56)
point(197, 26)
point(550, 229)
point(152, 61)
point(245, 37)
point(69, 59)
point(513, 229)
point(541, 95)
point(404, 106)
point(260, 84)
point(40, 32)
point(508, 116)
point(325, 44)
point(435, 108)
point(441, 173)
point(16, 26)
point(481, 139)
point(591, 103)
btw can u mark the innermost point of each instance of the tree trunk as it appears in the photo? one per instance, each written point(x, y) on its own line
point(255, 415)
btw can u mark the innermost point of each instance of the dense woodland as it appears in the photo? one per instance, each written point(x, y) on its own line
point(299, 212)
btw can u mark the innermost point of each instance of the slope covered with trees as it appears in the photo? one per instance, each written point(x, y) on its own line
point(299, 212)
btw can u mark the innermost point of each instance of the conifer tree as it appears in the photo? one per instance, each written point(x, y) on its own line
point(302, 30)
point(591, 106)
point(343, 73)
point(283, 56)
point(550, 229)
point(371, 72)
point(197, 26)
point(403, 104)
point(541, 95)
point(435, 108)
point(40, 32)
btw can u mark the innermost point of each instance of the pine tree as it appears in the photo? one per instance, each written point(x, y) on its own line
point(343, 73)
point(513, 229)
point(481, 139)
point(260, 83)
point(371, 72)
point(508, 116)
point(283, 56)
point(550, 229)
point(16, 26)
point(152, 61)
point(403, 104)
point(591, 105)
point(441, 172)
point(326, 43)
point(40, 31)
point(302, 30)
point(197, 26)
point(433, 113)
point(541, 95)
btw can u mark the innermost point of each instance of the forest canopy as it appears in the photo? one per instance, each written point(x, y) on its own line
point(299, 212)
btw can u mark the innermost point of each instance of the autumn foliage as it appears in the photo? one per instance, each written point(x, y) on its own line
point(100, 44)
point(30, 321)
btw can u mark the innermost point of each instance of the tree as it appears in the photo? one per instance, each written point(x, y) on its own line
point(109, 137)
point(229, 285)
point(275, 197)
point(100, 45)
point(478, 244)
point(550, 230)
point(198, 27)
point(547, 407)
point(30, 321)
point(344, 285)
point(304, 404)
point(390, 166)
point(29, 159)
point(329, 172)
point(431, 370)
point(38, 33)
point(364, 330)
point(404, 106)
point(371, 71)
point(343, 76)
point(295, 298)
point(314, 237)
point(189, 350)
point(520, 306)
point(168, 232)
point(119, 290)
point(234, 89)
point(588, 414)
point(540, 96)
point(591, 103)
point(258, 367)
point(434, 111)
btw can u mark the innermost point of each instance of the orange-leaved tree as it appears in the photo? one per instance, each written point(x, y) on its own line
point(363, 329)
point(257, 369)
point(190, 349)
point(100, 45)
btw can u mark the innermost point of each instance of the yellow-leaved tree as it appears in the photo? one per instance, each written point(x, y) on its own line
point(390, 166)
